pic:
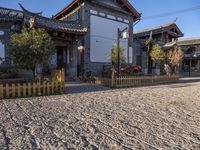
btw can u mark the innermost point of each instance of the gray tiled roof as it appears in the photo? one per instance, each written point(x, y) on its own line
point(10, 14)
point(189, 41)
point(41, 21)
point(155, 28)
point(158, 29)
point(52, 24)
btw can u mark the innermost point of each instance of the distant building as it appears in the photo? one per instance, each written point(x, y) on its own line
point(165, 35)
point(191, 48)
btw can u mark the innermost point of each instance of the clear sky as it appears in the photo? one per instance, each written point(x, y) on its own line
point(188, 22)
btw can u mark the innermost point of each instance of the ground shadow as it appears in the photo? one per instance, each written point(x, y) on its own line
point(80, 87)
point(183, 82)
point(186, 82)
point(193, 80)
point(76, 87)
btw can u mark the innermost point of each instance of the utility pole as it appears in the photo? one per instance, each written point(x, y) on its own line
point(190, 65)
point(118, 51)
point(124, 36)
point(192, 55)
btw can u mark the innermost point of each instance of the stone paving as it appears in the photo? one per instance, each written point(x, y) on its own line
point(89, 117)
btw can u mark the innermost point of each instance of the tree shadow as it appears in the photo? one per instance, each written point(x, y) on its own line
point(193, 80)
point(183, 82)
point(80, 87)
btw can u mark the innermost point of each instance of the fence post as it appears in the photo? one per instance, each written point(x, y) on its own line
point(34, 89)
point(1, 91)
point(24, 89)
point(113, 78)
point(29, 89)
point(18, 90)
point(44, 88)
point(52, 88)
point(56, 88)
point(7, 91)
point(62, 87)
point(63, 74)
point(48, 88)
point(39, 89)
point(13, 90)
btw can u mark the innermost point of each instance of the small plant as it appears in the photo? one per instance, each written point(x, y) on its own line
point(113, 55)
point(129, 70)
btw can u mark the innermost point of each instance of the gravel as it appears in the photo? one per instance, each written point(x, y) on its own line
point(91, 117)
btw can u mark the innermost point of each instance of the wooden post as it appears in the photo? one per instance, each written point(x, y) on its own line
point(63, 74)
point(13, 90)
point(63, 81)
point(7, 91)
point(113, 78)
point(29, 89)
point(24, 89)
point(52, 88)
point(34, 89)
point(39, 89)
point(60, 75)
point(48, 88)
point(56, 88)
point(1, 91)
point(44, 88)
point(18, 90)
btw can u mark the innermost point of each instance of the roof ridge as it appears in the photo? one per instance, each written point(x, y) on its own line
point(5, 8)
point(136, 15)
point(38, 16)
point(188, 39)
point(156, 27)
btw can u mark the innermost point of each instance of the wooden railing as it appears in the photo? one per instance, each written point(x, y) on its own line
point(30, 89)
point(122, 82)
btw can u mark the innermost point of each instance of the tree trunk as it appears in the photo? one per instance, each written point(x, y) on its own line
point(175, 69)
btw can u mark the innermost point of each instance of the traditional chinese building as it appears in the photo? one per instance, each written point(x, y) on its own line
point(65, 34)
point(103, 18)
point(191, 49)
point(84, 32)
point(165, 35)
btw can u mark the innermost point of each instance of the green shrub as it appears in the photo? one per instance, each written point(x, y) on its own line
point(7, 73)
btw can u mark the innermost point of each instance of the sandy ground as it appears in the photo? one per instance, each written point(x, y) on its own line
point(157, 117)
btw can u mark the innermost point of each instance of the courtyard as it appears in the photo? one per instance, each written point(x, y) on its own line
point(93, 117)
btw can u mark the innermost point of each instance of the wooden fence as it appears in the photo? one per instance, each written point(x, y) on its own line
point(122, 82)
point(58, 75)
point(30, 89)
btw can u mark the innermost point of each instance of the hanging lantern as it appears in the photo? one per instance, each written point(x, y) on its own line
point(81, 49)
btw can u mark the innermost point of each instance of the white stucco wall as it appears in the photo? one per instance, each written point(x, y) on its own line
point(103, 35)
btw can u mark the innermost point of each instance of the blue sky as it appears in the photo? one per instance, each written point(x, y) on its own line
point(188, 22)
